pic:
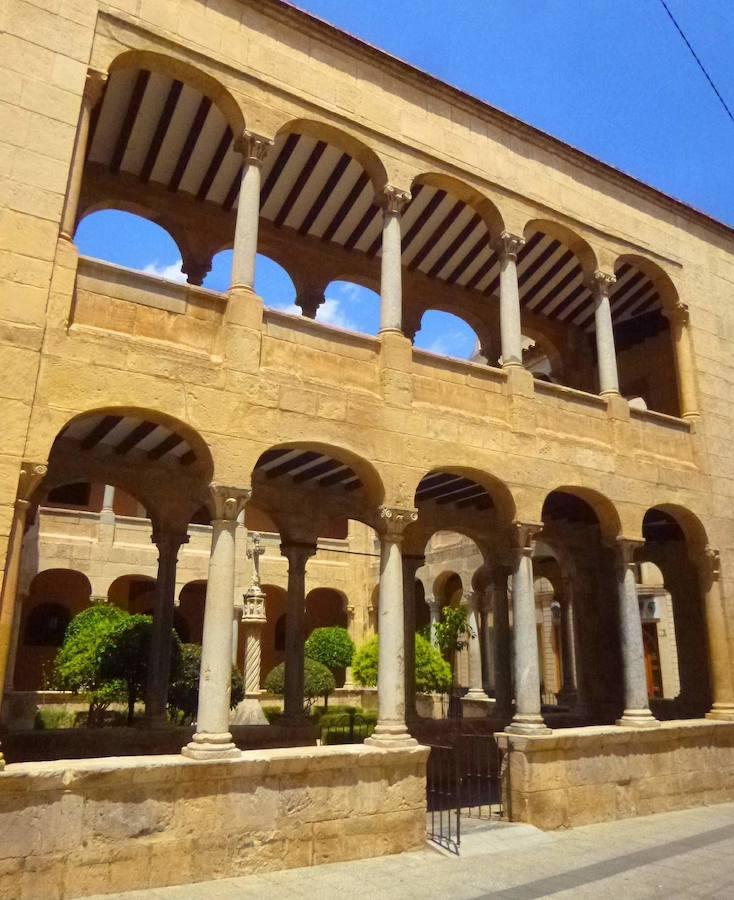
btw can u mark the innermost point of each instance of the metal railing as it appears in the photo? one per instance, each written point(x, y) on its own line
point(442, 798)
point(351, 728)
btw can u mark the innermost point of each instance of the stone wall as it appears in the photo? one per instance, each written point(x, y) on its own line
point(70, 829)
point(583, 775)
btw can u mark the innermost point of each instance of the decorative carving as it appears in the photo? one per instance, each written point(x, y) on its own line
point(601, 283)
point(168, 542)
point(226, 503)
point(253, 147)
point(679, 314)
point(713, 562)
point(394, 520)
point(393, 200)
point(309, 300)
point(297, 553)
point(254, 553)
point(253, 605)
point(31, 475)
point(94, 86)
point(523, 535)
point(196, 270)
point(625, 551)
point(507, 246)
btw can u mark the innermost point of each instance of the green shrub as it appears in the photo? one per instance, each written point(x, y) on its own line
point(332, 647)
point(318, 681)
point(48, 719)
point(432, 672)
point(272, 713)
point(183, 691)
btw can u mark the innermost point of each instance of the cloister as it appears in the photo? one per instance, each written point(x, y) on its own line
point(579, 463)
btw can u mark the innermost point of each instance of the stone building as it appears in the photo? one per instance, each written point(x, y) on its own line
point(252, 126)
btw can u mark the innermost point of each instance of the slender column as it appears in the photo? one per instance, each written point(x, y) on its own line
point(14, 641)
point(349, 683)
point(476, 691)
point(507, 247)
point(92, 92)
point(720, 668)
point(391, 729)
point(686, 371)
point(568, 693)
point(527, 718)
point(393, 202)
point(212, 739)
point(604, 331)
point(411, 564)
point(434, 609)
point(297, 553)
point(501, 655)
point(159, 657)
point(636, 704)
point(108, 504)
point(254, 149)
point(486, 642)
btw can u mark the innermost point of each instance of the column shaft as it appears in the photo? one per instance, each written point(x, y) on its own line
point(253, 656)
point(636, 704)
point(568, 692)
point(244, 251)
point(722, 688)
point(434, 611)
point(297, 555)
point(236, 619)
point(476, 690)
point(108, 504)
point(508, 247)
point(410, 564)
point(686, 371)
point(391, 270)
point(502, 656)
point(604, 332)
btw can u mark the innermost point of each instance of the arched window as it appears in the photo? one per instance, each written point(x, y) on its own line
point(350, 306)
point(447, 335)
point(46, 625)
point(128, 240)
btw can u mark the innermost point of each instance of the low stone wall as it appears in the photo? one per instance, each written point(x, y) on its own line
point(74, 828)
point(583, 775)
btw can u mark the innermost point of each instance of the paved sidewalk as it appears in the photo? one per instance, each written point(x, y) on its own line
point(672, 855)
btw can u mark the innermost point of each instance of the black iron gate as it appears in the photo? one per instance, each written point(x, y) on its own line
point(464, 778)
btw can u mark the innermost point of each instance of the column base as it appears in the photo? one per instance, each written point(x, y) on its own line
point(475, 694)
point(387, 737)
point(723, 712)
point(532, 724)
point(211, 746)
point(248, 712)
point(637, 718)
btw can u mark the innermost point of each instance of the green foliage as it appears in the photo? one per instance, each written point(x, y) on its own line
point(432, 672)
point(453, 632)
point(52, 717)
point(318, 681)
point(332, 647)
point(183, 692)
point(77, 666)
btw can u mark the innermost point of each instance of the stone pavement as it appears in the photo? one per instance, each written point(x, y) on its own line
point(689, 853)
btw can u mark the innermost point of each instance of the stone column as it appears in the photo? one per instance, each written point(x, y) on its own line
point(297, 553)
point(411, 564)
point(636, 705)
point(568, 693)
point(391, 730)
point(159, 657)
point(393, 202)
point(604, 333)
point(236, 619)
point(212, 739)
point(486, 642)
point(107, 513)
point(476, 690)
point(31, 475)
point(434, 608)
point(349, 683)
point(686, 371)
point(254, 149)
point(253, 618)
point(722, 689)
point(501, 655)
point(14, 641)
point(92, 92)
point(507, 247)
point(527, 718)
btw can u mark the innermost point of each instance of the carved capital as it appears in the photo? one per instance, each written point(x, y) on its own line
point(434, 604)
point(94, 87)
point(507, 246)
point(679, 314)
point(196, 270)
point(31, 475)
point(522, 537)
point(309, 301)
point(298, 554)
point(712, 560)
point(601, 283)
point(168, 542)
point(226, 503)
point(393, 200)
point(392, 521)
point(253, 147)
point(625, 552)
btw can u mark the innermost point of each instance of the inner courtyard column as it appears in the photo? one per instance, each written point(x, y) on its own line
point(722, 689)
point(93, 88)
point(678, 317)
point(411, 564)
point(606, 354)
point(485, 641)
point(434, 611)
point(159, 656)
point(298, 554)
point(636, 704)
point(527, 718)
point(394, 202)
point(473, 615)
point(501, 651)
point(254, 149)
point(507, 247)
point(212, 739)
point(391, 728)
point(568, 693)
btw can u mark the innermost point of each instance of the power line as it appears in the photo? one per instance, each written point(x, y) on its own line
point(695, 56)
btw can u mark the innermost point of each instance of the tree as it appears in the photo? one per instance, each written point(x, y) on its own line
point(77, 666)
point(317, 681)
point(453, 633)
point(183, 693)
point(332, 647)
point(432, 672)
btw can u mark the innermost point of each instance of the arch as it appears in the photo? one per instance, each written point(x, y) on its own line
point(326, 607)
point(350, 305)
point(272, 645)
point(367, 158)
point(447, 587)
point(542, 348)
point(691, 527)
point(600, 506)
point(191, 606)
point(473, 198)
point(132, 592)
point(580, 247)
point(178, 70)
point(660, 281)
point(46, 624)
point(446, 333)
point(491, 491)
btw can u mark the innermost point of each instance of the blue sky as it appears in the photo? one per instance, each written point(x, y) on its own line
point(611, 77)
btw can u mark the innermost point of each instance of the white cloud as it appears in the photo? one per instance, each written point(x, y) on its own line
point(438, 346)
point(330, 313)
point(171, 272)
